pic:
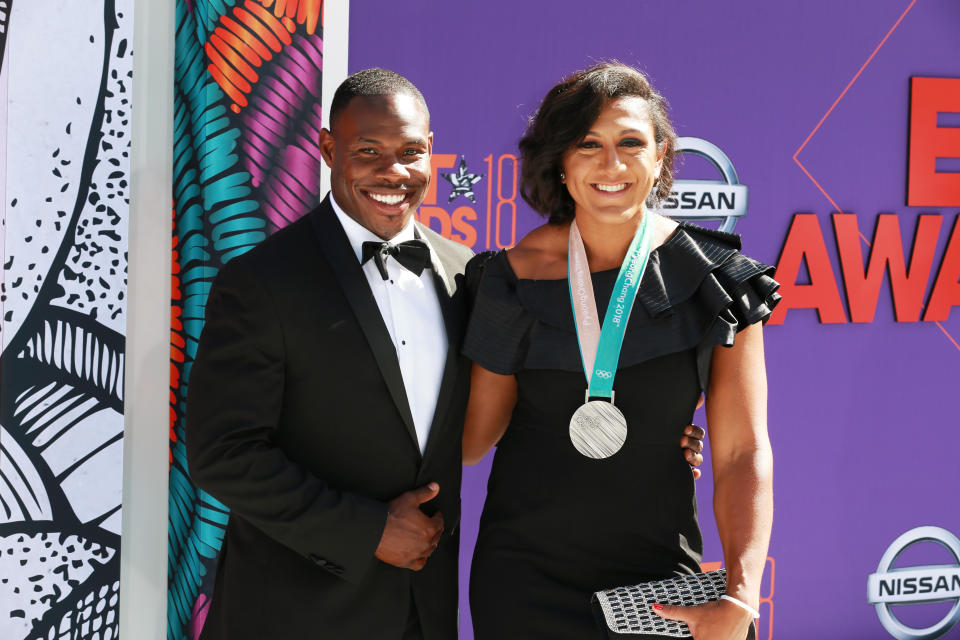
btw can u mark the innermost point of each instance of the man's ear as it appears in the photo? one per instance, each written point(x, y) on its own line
point(327, 146)
point(430, 143)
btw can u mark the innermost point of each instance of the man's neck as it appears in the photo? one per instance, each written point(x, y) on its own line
point(357, 233)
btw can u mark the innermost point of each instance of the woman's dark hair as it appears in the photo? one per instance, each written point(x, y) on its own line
point(563, 119)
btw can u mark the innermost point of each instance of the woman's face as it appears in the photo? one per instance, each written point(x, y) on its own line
point(610, 173)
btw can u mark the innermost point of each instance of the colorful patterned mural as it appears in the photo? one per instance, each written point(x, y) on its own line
point(247, 117)
point(66, 72)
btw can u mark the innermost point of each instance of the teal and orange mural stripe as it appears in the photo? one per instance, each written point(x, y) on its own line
point(247, 117)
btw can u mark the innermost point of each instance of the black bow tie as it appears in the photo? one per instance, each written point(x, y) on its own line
point(412, 254)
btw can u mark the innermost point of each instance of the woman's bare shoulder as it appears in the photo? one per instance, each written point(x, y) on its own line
point(541, 254)
point(663, 229)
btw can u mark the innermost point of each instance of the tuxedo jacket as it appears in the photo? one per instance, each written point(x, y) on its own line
point(297, 419)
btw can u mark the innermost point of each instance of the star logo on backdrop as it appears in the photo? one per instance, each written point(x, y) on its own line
point(462, 182)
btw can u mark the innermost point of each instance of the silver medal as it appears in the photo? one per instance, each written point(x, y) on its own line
point(598, 429)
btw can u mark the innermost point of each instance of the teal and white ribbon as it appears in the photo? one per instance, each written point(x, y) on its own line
point(600, 345)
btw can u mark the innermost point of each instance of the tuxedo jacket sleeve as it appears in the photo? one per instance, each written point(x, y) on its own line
point(235, 405)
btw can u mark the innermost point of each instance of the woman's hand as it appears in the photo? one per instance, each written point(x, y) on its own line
point(718, 620)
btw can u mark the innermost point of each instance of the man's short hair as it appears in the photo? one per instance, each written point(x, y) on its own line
point(373, 82)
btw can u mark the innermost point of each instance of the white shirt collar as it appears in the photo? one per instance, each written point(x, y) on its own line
point(357, 234)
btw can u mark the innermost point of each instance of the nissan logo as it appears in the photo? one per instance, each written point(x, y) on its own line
point(697, 200)
point(912, 585)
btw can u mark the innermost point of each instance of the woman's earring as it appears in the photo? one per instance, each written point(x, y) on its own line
point(652, 197)
point(563, 177)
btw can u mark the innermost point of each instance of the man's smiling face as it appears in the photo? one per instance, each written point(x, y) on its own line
point(379, 157)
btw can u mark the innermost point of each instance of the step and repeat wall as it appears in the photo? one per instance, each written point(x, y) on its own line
point(828, 135)
point(66, 71)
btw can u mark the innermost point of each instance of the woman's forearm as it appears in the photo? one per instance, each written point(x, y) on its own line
point(742, 461)
point(743, 506)
point(492, 399)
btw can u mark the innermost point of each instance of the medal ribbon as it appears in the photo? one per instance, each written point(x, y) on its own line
point(600, 346)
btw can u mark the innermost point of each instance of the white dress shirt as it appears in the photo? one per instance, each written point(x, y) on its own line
point(411, 311)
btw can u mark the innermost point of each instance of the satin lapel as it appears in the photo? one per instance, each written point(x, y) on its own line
point(451, 306)
point(343, 261)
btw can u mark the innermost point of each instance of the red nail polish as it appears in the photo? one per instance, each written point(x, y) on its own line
point(658, 607)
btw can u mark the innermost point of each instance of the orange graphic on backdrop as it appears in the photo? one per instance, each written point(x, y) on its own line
point(305, 12)
point(249, 36)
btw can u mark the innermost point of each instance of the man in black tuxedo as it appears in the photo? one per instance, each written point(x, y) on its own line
point(328, 394)
point(327, 398)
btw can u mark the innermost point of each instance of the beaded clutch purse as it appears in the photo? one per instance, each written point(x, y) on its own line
point(627, 612)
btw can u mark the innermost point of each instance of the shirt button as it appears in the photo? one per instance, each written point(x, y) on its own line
point(391, 282)
point(403, 342)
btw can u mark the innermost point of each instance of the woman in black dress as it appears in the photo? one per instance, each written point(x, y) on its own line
point(558, 526)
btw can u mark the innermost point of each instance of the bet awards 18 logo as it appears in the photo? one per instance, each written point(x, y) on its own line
point(806, 273)
point(916, 585)
point(481, 208)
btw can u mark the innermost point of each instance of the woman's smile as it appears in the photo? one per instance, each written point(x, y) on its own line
point(611, 171)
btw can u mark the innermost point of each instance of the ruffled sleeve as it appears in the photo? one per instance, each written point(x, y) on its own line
point(743, 293)
point(498, 331)
point(737, 290)
point(752, 290)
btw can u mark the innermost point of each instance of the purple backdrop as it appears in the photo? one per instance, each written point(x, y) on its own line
point(860, 414)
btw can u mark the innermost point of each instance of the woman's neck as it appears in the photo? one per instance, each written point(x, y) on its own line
point(607, 244)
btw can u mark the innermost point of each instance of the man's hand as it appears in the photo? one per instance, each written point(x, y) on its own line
point(410, 536)
point(692, 443)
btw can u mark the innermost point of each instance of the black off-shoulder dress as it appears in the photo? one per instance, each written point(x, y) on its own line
point(557, 526)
